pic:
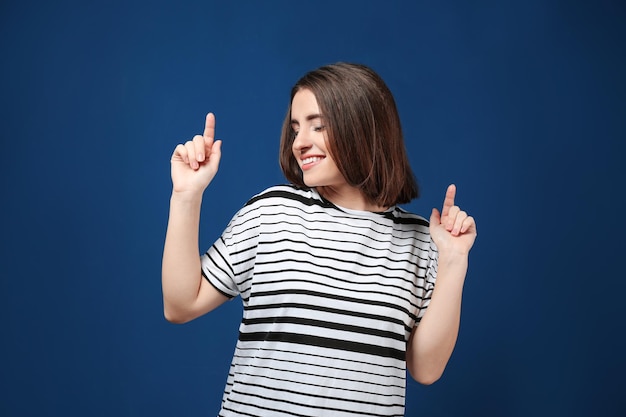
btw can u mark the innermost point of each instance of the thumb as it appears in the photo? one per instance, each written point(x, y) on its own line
point(435, 218)
point(216, 153)
point(217, 148)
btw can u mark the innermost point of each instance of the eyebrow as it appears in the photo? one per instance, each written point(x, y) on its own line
point(308, 118)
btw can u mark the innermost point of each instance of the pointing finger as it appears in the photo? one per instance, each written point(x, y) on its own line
point(209, 127)
point(448, 202)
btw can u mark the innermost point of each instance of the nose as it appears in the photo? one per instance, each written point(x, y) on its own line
point(301, 142)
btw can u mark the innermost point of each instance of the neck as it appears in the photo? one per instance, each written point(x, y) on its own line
point(350, 198)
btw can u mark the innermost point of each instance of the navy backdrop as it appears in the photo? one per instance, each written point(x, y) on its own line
point(522, 104)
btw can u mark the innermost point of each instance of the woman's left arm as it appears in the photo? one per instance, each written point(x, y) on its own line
point(432, 342)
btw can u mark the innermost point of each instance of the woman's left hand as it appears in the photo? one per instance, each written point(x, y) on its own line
point(452, 230)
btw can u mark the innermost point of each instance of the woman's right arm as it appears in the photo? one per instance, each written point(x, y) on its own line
point(186, 294)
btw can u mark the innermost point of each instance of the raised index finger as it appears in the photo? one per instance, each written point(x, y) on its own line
point(209, 126)
point(448, 202)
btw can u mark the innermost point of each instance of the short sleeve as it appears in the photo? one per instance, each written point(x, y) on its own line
point(229, 263)
point(429, 279)
point(218, 270)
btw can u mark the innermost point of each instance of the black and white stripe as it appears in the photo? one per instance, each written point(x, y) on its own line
point(330, 297)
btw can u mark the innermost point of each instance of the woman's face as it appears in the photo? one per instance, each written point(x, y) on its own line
point(310, 143)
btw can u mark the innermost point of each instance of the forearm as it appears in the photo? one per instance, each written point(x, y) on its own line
point(433, 341)
point(181, 269)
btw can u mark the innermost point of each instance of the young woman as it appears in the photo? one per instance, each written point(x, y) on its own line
point(337, 281)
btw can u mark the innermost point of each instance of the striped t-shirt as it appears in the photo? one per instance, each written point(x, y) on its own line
point(330, 296)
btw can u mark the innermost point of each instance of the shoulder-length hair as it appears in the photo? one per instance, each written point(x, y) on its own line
point(364, 133)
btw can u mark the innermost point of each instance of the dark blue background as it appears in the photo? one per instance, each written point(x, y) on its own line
point(522, 104)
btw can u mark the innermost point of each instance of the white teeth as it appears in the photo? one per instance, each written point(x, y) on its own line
point(311, 159)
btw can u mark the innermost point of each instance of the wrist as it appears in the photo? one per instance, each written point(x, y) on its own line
point(451, 258)
point(186, 197)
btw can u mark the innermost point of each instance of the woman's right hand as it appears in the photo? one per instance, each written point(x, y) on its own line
point(195, 163)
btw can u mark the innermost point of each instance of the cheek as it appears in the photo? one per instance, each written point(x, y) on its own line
point(332, 164)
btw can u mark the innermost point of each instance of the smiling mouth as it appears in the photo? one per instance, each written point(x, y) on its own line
point(311, 160)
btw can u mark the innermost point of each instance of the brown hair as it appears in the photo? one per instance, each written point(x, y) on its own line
point(364, 133)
